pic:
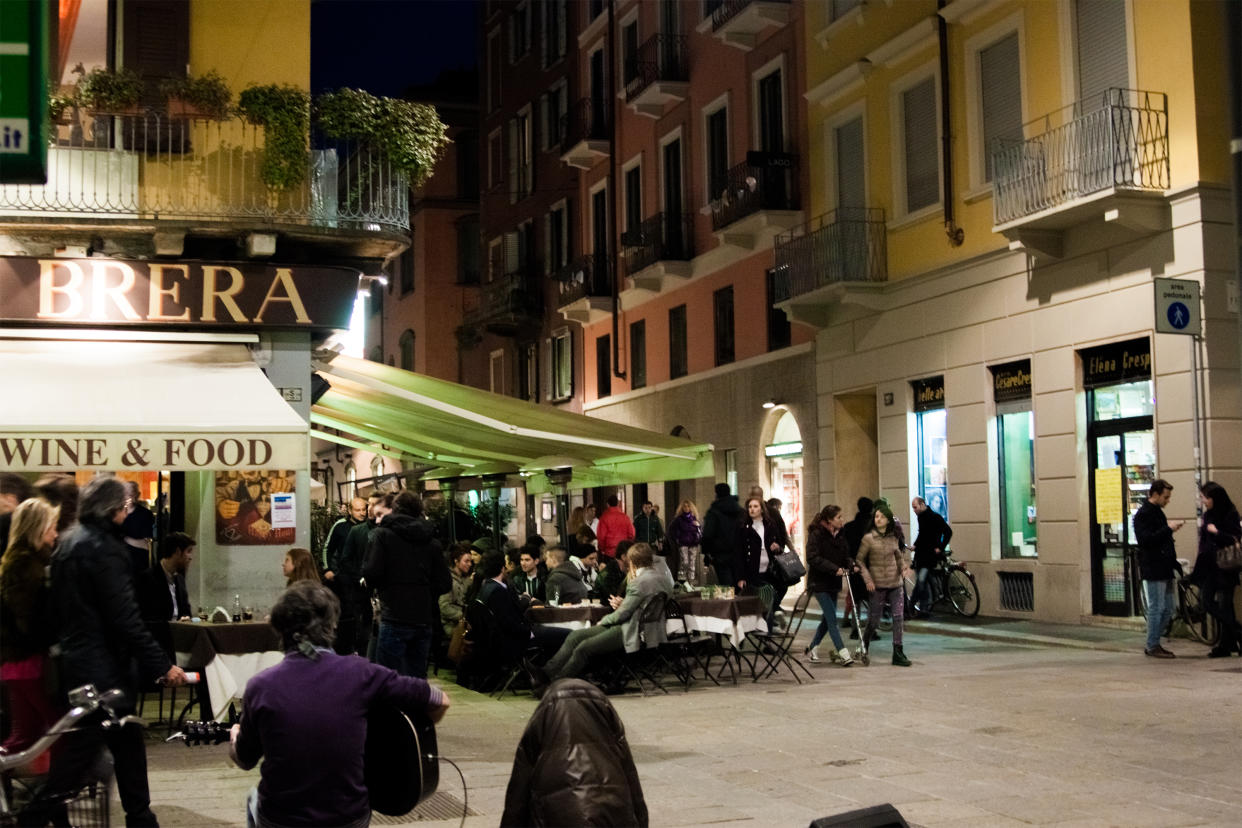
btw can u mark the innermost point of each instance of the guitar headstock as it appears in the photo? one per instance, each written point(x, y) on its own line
point(201, 733)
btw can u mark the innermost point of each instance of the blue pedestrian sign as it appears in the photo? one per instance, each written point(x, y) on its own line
point(1178, 307)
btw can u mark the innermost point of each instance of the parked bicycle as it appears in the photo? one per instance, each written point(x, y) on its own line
point(1189, 612)
point(949, 581)
point(24, 800)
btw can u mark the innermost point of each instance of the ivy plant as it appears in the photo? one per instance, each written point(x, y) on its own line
point(284, 113)
point(103, 90)
point(411, 135)
point(209, 94)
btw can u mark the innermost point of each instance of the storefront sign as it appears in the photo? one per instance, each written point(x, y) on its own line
point(1108, 500)
point(170, 452)
point(1119, 362)
point(1012, 381)
point(928, 393)
point(180, 294)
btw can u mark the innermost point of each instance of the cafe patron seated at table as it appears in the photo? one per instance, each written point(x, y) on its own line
point(565, 582)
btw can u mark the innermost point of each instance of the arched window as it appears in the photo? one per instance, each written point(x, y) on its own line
point(406, 344)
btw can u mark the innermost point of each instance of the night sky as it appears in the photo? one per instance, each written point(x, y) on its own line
point(385, 46)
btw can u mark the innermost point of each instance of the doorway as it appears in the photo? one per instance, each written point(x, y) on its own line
point(856, 448)
point(1123, 464)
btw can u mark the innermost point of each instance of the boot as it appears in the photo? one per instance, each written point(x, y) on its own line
point(899, 658)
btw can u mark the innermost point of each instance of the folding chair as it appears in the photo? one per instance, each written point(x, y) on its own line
point(774, 648)
point(644, 662)
point(685, 646)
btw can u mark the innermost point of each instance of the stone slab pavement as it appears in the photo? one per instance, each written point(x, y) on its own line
point(998, 723)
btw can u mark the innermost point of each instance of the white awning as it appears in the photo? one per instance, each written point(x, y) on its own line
point(129, 406)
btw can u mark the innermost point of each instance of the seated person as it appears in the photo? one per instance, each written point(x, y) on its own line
point(588, 566)
point(611, 578)
point(582, 542)
point(532, 576)
point(564, 578)
point(453, 602)
point(616, 631)
point(307, 718)
point(161, 591)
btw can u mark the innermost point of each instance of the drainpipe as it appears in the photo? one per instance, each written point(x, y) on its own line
point(614, 239)
point(954, 233)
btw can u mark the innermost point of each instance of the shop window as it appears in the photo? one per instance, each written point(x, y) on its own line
point(1015, 446)
point(638, 354)
point(932, 429)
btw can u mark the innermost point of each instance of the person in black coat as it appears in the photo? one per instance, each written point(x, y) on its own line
point(1220, 528)
point(104, 642)
point(1157, 559)
point(405, 565)
point(827, 561)
point(161, 591)
point(929, 546)
point(720, 535)
point(757, 542)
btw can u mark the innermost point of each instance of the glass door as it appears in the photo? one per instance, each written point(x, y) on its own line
point(1123, 465)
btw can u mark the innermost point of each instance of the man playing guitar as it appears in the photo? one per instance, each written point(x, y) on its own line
point(307, 717)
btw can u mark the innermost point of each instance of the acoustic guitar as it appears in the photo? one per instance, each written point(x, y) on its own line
point(401, 762)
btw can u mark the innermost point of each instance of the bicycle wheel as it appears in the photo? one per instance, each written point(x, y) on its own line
point(1200, 623)
point(963, 592)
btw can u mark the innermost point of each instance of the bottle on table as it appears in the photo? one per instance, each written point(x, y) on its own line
point(236, 608)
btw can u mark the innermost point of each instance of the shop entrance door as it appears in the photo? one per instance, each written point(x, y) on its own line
point(1123, 463)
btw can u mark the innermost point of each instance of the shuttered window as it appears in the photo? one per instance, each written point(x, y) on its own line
point(717, 152)
point(155, 39)
point(603, 373)
point(851, 181)
point(638, 354)
point(1001, 95)
point(1100, 26)
point(677, 345)
point(722, 305)
point(922, 158)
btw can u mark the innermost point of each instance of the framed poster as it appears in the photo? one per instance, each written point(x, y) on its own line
point(244, 507)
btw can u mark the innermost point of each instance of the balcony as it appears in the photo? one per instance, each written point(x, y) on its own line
point(658, 75)
point(659, 251)
point(145, 173)
point(817, 262)
point(508, 305)
point(738, 23)
point(1104, 160)
point(584, 133)
point(585, 290)
point(760, 199)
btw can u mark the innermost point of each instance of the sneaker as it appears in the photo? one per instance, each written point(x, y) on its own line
point(812, 653)
point(1159, 652)
point(843, 657)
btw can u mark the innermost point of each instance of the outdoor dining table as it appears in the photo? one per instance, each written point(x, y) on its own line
point(568, 616)
point(730, 617)
point(227, 654)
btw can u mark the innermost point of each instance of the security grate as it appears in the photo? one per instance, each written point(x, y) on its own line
point(1017, 591)
point(438, 806)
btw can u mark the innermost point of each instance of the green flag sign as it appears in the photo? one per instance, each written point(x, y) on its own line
point(23, 92)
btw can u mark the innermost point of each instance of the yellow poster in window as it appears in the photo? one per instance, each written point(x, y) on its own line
point(1108, 496)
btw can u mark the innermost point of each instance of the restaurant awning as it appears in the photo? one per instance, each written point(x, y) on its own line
point(441, 422)
point(132, 406)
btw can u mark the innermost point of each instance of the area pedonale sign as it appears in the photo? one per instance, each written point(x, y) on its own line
point(99, 291)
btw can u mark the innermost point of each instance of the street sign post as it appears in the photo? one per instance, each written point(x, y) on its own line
point(23, 92)
point(1178, 307)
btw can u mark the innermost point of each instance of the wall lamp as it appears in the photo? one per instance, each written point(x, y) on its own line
point(772, 403)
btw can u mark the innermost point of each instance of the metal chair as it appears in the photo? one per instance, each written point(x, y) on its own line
point(775, 648)
point(685, 647)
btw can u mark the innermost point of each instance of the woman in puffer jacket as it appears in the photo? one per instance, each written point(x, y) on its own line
point(882, 560)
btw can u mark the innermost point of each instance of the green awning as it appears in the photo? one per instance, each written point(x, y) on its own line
point(443, 423)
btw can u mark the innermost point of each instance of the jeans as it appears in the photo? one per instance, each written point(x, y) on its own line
point(404, 647)
point(1159, 609)
point(828, 622)
point(922, 597)
point(896, 598)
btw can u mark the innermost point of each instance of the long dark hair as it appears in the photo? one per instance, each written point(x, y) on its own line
point(1222, 506)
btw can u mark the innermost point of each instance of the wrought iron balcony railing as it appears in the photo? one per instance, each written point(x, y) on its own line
point(845, 245)
point(661, 58)
point(730, 9)
point(1120, 140)
point(662, 237)
point(586, 120)
point(508, 302)
point(770, 184)
point(584, 278)
point(148, 166)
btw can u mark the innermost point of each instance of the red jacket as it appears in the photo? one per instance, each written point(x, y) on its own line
point(614, 527)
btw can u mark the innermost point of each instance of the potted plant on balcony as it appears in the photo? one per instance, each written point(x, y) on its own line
point(104, 91)
point(411, 135)
point(284, 113)
point(59, 102)
point(208, 96)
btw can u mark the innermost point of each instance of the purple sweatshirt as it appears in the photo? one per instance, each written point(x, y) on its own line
point(308, 719)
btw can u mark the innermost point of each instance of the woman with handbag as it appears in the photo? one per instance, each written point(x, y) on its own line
point(882, 560)
point(1220, 528)
point(757, 544)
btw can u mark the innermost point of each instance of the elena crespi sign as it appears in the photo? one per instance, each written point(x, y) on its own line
point(181, 294)
point(171, 452)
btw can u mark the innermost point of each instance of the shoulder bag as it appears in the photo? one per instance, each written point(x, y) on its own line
point(787, 566)
point(1229, 558)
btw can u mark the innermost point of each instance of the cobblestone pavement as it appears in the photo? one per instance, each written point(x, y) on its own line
point(1018, 726)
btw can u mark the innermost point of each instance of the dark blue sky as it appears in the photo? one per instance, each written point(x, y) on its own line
point(384, 46)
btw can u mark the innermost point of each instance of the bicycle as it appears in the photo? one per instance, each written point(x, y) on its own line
point(948, 581)
point(23, 802)
point(1189, 611)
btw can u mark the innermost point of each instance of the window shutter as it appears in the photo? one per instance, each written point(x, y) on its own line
point(513, 161)
point(1001, 95)
point(922, 156)
point(562, 31)
point(156, 41)
point(1102, 60)
point(851, 185)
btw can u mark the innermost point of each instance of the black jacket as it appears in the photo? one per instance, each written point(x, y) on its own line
point(1157, 557)
point(750, 548)
point(1228, 530)
point(573, 765)
point(156, 603)
point(27, 627)
point(102, 638)
point(934, 533)
point(855, 529)
point(825, 554)
point(720, 530)
point(405, 565)
point(346, 564)
point(500, 634)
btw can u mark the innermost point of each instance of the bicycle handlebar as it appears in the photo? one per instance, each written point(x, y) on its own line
point(83, 701)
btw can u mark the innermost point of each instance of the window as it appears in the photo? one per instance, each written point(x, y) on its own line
point(780, 334)
point(562, 358)
point(629, 53)
point(594, 9)
point(722, 305)
point(599, 224)
point(519, 33)
point(518, 248)
point(1000, 96)
point(671, 158)
point(556, 238)
point(554, 31)
point(468, 251)
point(932, 435)
point(494, 162)
point(467, 148)
point(496, 373)
point(677, 344)
point(603, 367)
point(528, 379)
point(521, 159)
point(717, 152)
point(771, 113)
point(633, 199)
point(922, 155)
point(405, 346)
point(850, 166)
point(555, 107)
point(709, 6)
point(494, 68)
point(1015, 461)
point(638, 354)
point(406, 266)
